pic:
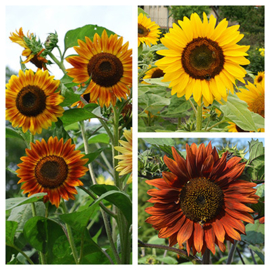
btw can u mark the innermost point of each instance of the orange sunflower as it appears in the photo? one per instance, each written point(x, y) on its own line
point(32, 49)
point(53, 167)
point(109, 65)
point(32, 102)
point(201, 201)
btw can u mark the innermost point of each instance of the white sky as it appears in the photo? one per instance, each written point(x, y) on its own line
point(42, 20)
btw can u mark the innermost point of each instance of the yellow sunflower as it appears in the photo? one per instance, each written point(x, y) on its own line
point(31, 56)
point(53, 167)
point(148, 32)
point(109, 65)
point(254, 97)
point(31, 101)
point(259, 78)
point(202, 59)
point(101, 180)
point(153, 73)
point(125, 165)
point(234, 128)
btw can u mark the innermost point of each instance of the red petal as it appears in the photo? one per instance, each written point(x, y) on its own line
point(207, 165)
point(240, 215)
point(218, 230)
point(159, 183)
point(181, 163)
point(236, 205)
point(210, 239)
point(185, 232)
point(201, 156)
point(191, 166)
point(198, 237)
point(171, 179)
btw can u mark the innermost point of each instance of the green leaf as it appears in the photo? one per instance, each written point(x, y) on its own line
point(69, 95)
point(167, 260)
point(101, 189)
point(155, 240)
point(237, 111)
point(99, 138)
point(254, 233)
point(140, 10)
point(11, 133)
point(178, 105)
point(258, 251)
point(59, 131)
point(157, 81)
point(77, 114)
point(119, 199)
point(11, 227)
point(68, 81)
point(72, 36)
point(160, 141)
point(41, 233)
point(92, 156)
point(14, 202)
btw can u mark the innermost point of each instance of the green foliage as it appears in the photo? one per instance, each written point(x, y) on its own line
point(179, 12)
point(256, 61)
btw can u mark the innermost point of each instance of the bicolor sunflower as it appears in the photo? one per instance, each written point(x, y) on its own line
point(259, 78)
point(203, 60)
point(254, 97)
point(154, 72)
point(125, 164)
point(148, 32)
point(32, 102)
point(201, 200)
point(32, 49)
point(107, 63)
point(53, 167)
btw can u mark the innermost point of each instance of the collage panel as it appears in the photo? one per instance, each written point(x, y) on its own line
point(68, 135)
point(201, 68)
point(201, 201)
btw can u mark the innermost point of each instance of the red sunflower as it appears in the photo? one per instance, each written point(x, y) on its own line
point(201, 201)
point(53, 167)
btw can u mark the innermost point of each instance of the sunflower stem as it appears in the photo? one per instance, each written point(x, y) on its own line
point(206, 257)
point(231, 253)
point(193, 107)
point(199, 118)
point(216, 124)
point(70, 235)
point(19, 250)
point(58, 63)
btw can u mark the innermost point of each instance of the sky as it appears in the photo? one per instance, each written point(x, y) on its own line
point(42, 20)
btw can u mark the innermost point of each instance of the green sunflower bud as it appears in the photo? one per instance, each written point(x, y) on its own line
point(51, 41)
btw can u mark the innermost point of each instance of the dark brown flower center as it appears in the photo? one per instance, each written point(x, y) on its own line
point(201, 200)
point(158, 73)
point(142, 31)
point(240, 129)
point(105, 69)
point(260, 78)
point(31, 100)
point(202, 58)
point(51, 171)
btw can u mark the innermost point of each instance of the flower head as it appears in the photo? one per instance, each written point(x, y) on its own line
point(148, 32)
point(33, 49)
point(259, 78)
point(53, 167)
point(32, 102)
point(125, 165)
point(203, 60)
point(107, 63)
point(201, 201)
point(154, 72)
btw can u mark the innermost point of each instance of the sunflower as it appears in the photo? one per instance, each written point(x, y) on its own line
point(153, 73)
point(125, 165)
point(101, 180)
point(148, 32)
point(32, 102)
point(202, 59)
point(109, 65)
point(201, 201)
point(234, 128)
point(254, 97)
point(32, 49)
point(259, 78)
point(53, 167)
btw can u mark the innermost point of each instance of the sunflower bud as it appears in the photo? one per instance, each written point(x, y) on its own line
point(51, 41)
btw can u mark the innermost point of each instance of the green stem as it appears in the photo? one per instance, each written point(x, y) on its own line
point(231, 253)
point(216, 124)
point(199, 118)
point(58, 63)
point(105, 158)
point(115, 143)
point(24, 254)
point(41, 254)
point(70, 236)
point(193, 107)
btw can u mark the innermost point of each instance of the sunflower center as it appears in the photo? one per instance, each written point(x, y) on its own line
point(258, 105)
point(31, 100)
point(105, 69)
point(202, 58)
point(240, 129)
point(201, 200)
point(142, 31)
point(51, 171)
point(260, 78)
point(158, 73)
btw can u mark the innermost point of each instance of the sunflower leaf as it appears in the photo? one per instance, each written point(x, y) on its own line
point(11, 133)
point(178, 105)
point(92, 156)
point(69, 95)
point(258, 251)
point(101, 189)
point(254, 233)
point(237, 111)
point(89, 30)
point(14, 202)
point(11, 227)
